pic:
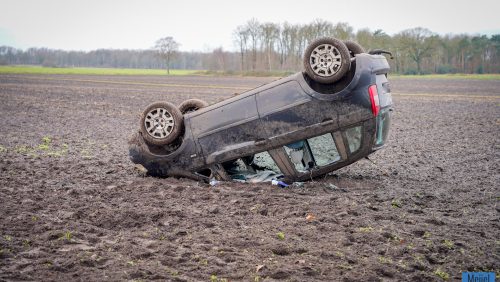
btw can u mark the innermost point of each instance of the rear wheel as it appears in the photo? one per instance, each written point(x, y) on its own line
point(326, 60)
point(161, 123)
point(192, 105)
point(354, 48)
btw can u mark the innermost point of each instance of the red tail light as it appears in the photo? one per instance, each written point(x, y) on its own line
point(372, 90)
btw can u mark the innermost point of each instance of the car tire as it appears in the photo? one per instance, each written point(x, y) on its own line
point(161, 123)
point(354, 48)
point(192, 105)
point(326, 60)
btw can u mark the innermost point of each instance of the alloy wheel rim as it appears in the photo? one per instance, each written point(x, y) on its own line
point(159, 123)
point(325, 60)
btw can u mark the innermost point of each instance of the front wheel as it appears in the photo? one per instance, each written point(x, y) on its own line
point(161, 123)
point(326, 60)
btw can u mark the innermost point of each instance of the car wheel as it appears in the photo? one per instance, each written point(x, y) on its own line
point(192, 105)
point(161, 123)
point(326, 60)
point(354, 48)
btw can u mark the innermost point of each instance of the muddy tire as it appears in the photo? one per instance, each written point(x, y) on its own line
point(192, 105)
point(326, 60)
point(161, 123)
point(354, 48)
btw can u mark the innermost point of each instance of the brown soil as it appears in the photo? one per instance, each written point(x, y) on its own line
point(74, 207)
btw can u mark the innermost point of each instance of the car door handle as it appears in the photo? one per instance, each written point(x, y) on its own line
point(260, 142)
point(327, 122)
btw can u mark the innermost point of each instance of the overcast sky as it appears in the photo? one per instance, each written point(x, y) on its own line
point(204, 25)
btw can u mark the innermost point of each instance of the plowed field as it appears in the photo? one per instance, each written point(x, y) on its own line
point(73, 207)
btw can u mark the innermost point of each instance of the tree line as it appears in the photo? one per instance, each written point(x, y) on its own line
point(105, 58)
point(278, 47)
point(271, 46)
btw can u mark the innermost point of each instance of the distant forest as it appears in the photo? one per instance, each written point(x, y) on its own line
point(278, 47)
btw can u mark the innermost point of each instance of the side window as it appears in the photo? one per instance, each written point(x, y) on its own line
point(324, 150)
point(263, 160)
point(316, 151)
point(300, 155)
point(353, 136)
point(257, 168)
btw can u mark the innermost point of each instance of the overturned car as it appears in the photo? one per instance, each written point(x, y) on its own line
point(296, 128)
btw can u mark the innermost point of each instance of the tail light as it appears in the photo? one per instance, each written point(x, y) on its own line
point(372, 90)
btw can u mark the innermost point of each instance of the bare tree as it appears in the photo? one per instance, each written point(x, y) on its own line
point(343, 31)
point(166, 48)
point(319, 28)
point(270, 33)
point(419, 43)
point(220, 58)
point(365, 38)
point(289, 39)
point(254, 32)
point(241, 38)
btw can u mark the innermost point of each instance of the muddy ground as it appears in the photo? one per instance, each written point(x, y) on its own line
point(72, 206)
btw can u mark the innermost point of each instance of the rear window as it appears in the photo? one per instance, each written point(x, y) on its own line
point(317, 151)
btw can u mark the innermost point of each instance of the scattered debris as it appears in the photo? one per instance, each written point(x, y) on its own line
point(214, 182)
point(279, 183)
point(332, 186)
point(310, 217)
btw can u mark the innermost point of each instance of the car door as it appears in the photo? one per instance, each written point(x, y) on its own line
point(228, 131)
